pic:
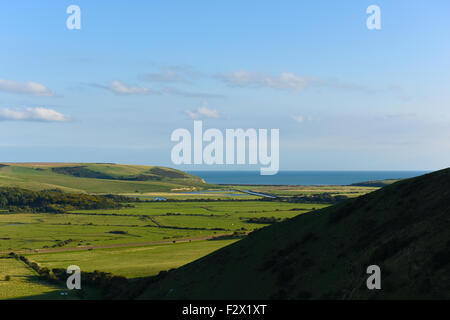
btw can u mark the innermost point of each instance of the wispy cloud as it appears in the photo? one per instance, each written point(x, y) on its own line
point(189, 94)
point(29, 88)
point(399, 116)
point(171, 75)
point(118, 87)
point(203, 112)
point(32, 114)
point(121, 88)
point(290, 81)
point(339, 84)
point(285, 81)
point(298, 118)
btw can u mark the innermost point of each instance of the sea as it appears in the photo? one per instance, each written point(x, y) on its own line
point(301, 177)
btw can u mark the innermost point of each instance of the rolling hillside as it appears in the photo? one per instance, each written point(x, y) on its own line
point(404, 228)
point(95, 178)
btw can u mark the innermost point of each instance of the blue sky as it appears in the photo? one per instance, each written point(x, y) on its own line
point(344, 97)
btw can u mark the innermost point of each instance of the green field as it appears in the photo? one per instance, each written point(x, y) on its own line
point(60, 240)
point(147, 222)
point(349, 191)
point(132, 262)
point(24, 283)
point(140, 240)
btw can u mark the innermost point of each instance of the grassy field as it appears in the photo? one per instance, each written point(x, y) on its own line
point(24, 283)
point(134, 261)
point(152, 221)
point(349, 191)
point(210, 194)
point(65, 239)
point(136, 241)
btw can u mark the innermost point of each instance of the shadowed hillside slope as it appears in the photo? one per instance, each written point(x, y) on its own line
point(404, 228)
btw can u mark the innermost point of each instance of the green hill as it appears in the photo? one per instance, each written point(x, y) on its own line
point(95, 177)
point(403, 228)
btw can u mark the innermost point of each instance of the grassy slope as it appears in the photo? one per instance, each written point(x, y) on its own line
point(38, 176)
point(24, 283)
point(403, 228)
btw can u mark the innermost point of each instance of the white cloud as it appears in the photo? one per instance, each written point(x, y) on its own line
point(286, 80)
point(203, 112)
point(31, 88)
point(118, 87)
point(121, 88)
point(32, 114)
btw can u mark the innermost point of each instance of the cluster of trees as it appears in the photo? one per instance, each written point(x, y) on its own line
point(156, 174)
point(55, 201)
point(234, 235)
point(62, 243)
point(322, 198)
point(167, 173)
point(263, 220)
point(43, 272)
point(82, 172)
point(373, 183)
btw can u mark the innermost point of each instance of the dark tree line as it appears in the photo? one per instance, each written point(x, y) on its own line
point(322, 198)
point(55, 201)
